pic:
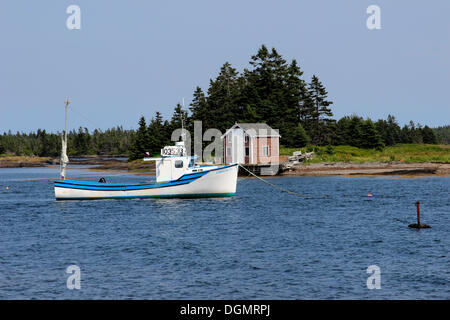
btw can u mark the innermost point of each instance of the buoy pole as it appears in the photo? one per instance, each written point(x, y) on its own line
point(418, 212)
point(418, 225)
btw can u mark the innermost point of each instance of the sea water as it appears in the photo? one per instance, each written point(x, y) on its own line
point(259, 244)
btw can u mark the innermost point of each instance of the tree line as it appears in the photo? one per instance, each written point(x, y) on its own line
point(270, 90)
point(115, 141)
point(443, 134)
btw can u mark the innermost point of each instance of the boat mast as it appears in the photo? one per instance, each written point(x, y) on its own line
point(64, 158)
point(65, 131)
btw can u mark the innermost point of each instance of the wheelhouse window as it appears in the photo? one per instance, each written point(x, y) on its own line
point(228, 152)
point(247, 151)
point(178, 163)
point(266, 151)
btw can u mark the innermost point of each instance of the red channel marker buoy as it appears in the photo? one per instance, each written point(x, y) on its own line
point(418, 225)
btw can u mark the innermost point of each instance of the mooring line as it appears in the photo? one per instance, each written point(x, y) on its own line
point(274, 185)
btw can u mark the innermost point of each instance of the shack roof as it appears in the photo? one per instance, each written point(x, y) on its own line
point(255, 130)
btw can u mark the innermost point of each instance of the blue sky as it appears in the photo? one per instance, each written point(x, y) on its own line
point(133, 58)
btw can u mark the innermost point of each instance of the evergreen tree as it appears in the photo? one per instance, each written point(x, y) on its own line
point(294, 94)
point(299, 138)
point(385, 134)
point(370, 138)
point(443, 134)
point(406, 135)
point(156, 135)
point(389, 131)
point(264, 83)
point(141, 142)
point(307, 112)
point(415, 132)
point(178, 115)
point(320, 114)
point(273, 92)
point(354, 131)
point(429, 136)
point(44, 143)
point(394, 129)
point(80, 142)
point(340, 136)
point(2, 144)
point(223, 99)
point(199, 108)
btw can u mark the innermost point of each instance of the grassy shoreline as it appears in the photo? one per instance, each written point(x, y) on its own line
point(9, 161)
point(406, 153)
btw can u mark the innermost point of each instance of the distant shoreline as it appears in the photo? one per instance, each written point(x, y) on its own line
point(312, 169)
point(370, 169)
point(100, 162)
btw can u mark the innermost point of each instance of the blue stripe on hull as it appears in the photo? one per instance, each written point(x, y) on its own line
point(122, 187)
point(192, 176)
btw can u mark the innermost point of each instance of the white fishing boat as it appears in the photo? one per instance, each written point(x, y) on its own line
point(177, 176)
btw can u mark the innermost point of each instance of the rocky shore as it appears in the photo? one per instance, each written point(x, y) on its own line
point(369, 168)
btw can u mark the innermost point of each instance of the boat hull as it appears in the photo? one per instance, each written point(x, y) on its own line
point(220, 182)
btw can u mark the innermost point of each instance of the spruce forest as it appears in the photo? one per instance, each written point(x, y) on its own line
point(271, 90)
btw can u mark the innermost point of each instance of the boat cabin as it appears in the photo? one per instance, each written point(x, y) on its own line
point(174, 163)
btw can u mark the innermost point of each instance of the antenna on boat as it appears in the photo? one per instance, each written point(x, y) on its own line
point(183, 135)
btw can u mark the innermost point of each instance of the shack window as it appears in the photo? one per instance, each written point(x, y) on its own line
point(178, 163)
point(247, 151)
point(266, 151)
